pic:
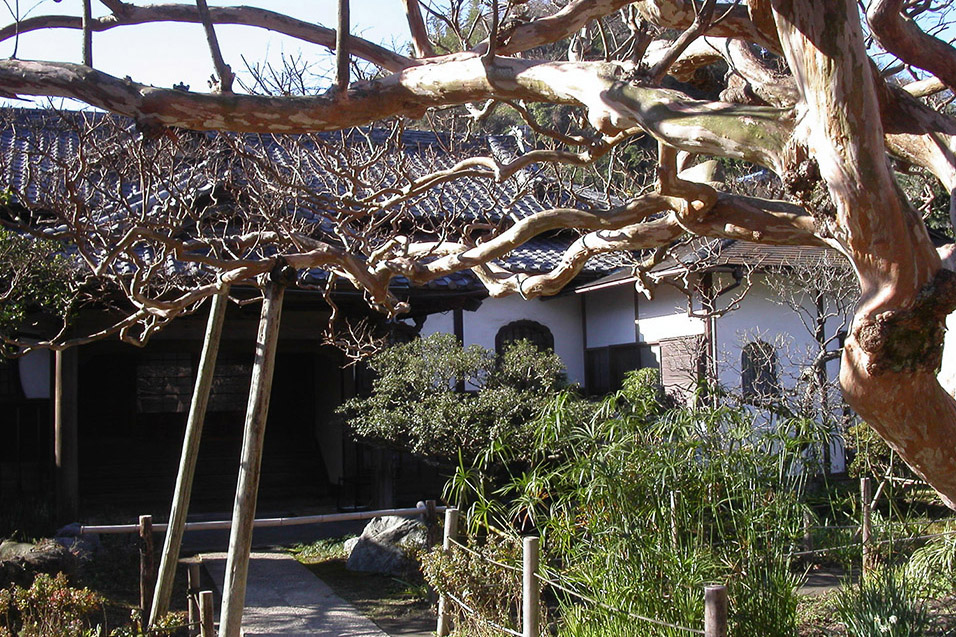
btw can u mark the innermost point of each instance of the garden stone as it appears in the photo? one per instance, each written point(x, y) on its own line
point(82, 546)
point(386, 546)
point(20, 562)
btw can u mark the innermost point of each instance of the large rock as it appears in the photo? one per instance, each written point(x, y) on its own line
point(387, 545)
point(20, 562)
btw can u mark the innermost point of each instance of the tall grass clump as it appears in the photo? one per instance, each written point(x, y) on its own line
point(641, 502)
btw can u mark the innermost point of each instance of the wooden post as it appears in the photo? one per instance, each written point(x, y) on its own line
point(866, 498)
point(244, 508)
point(715, 611)
point(65, 437)
point(192, 595)
point(147, 563)
point(342, 45)
point(451, 532)
point(187, 461)
point(530, 590)
point(206, 626)
point(431, 523)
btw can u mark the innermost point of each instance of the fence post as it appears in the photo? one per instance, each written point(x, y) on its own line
point(715, 611)
point(431, 522)
point(451, 532)
point(206, 626)
point(866, 497)
point(147, 563)
point(530, 590)
point(192, 596)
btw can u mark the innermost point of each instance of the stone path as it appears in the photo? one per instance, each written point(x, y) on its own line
point(284, 598)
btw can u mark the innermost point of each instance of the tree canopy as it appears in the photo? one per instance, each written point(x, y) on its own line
point(809, 90)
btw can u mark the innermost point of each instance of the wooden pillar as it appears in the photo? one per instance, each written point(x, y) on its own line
point(715, 611)
point(244, 508)
point(65, 438)
point(530, 589)
point(187, 461)
point(193, 587)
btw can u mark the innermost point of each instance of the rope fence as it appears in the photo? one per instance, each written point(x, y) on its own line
point(533, 577)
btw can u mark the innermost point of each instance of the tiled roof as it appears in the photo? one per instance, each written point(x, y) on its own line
point(704, 253)
point(467, 199)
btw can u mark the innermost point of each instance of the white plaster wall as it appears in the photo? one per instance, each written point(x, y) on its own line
point(665, 316)
point(610, 316)
point(561, 315)
point(35, 374)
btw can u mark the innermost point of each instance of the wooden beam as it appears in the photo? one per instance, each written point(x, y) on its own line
point(244, 509)
point(187, 461)
point(65, 437)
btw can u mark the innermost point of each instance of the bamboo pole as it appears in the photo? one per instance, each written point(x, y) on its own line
point(866, 497)
point(530, 589)
point(187, 461)
point(244, 508)
point(451, 532)
point(147, 563)
point(715, 611)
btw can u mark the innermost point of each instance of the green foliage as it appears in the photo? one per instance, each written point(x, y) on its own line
point(414, 404)
point(647, 502)
point(34, 277)
point(883, 605)
point(932, 567)
point(490, 589)
point(49, 608)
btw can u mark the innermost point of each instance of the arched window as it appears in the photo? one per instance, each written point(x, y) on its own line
point(758, 371)
point(526, 330)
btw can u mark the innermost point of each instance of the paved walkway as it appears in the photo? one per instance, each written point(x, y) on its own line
point(284, 598)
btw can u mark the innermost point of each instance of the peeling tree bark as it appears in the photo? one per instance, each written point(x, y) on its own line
point(888, 372)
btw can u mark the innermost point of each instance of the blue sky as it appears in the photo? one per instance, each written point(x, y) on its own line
point(166, 54)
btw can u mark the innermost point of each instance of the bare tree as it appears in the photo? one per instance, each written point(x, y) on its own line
point(801, 96)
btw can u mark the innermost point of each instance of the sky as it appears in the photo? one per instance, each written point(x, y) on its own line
point(167, 54)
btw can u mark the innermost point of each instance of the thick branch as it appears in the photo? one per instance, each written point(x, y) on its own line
point(416, 25)
point(247, 16)
point(903, 38)
point(223, 70)
point(755, 134)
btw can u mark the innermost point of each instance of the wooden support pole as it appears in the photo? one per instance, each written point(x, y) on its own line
point(87, 33)
point(147, 563)
point(342, 54)
point(65, 436)
point(187, 461)
point(530, 589)
point(192, 595)
point(431, 523)
point(866, 500)
point(206, 626)
point(715, 611)
point(451, 533)
point(244, 508)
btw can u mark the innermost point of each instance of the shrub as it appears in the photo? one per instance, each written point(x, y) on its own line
point(49, 608)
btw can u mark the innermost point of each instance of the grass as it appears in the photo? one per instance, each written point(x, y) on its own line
point(395, 605)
